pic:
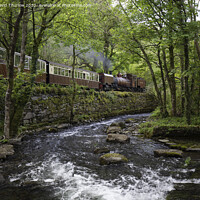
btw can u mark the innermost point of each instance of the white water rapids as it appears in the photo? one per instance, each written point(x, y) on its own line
point(70, 168)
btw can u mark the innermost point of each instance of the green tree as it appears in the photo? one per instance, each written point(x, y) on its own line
point(11, 21)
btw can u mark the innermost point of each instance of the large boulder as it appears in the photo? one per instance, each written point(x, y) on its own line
point(6, 150)
point(117, 138)
point(168, 153)
point(112, 158)
point(114, 129)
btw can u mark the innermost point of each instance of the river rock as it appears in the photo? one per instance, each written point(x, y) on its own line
point(112, 158)
point(6, 150)
point(121, 138)
point(163, 141)
point(101, 150)
point(193, 149)
point(168, 153)
point(114, 129)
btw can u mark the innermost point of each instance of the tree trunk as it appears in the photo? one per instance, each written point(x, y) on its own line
point(35, 56)
point(184, 28)
point(152, 73)
point(172, 80)
point(165, 113)
point(24, 39)
point(182, 84)
point(10, 64)
point(186, 79)
point(73, 86)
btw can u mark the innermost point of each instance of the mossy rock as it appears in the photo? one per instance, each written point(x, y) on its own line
point(178, 146)
point(118, 138)
point(112, 158)
point(168, 153)
point(113, 129)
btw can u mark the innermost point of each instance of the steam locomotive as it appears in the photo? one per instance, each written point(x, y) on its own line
point(55, 73)
point(126, 82)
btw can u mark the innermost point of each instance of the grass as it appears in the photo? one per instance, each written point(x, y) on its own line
point(148, 127)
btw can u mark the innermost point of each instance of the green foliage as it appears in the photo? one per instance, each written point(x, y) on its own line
point(3, 141)
point(187, 161)
point(147, 128)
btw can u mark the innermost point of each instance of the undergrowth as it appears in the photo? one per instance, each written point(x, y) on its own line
point(156, 121)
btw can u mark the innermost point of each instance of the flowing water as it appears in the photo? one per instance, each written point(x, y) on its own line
point(62, 166)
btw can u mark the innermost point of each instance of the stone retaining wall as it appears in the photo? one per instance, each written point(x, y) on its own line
point(89, 106)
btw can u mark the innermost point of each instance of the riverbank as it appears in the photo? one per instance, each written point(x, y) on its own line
point(171, 127)
point(175, 134)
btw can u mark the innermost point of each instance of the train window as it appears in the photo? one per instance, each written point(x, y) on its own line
point(70, 74)
point(51, 69)
point(2, 54)
point(66, 72)
point(59, 71)
point(76, 74)
point(17, 60)
point(42, 65)
point(26, 66)
point(62, 72)
point(55, 70)
point(97, 77)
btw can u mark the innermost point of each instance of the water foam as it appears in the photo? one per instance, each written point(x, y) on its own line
point(79, 183)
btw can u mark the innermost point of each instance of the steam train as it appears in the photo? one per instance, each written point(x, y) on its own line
point(55, 73)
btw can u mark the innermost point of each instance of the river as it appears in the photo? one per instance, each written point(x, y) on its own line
point(62, 166)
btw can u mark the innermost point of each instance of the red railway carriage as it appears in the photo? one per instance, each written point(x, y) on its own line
point(55, 73)
point(62, 75)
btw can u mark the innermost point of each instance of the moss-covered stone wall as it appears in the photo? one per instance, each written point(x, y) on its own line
point(89, 106)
